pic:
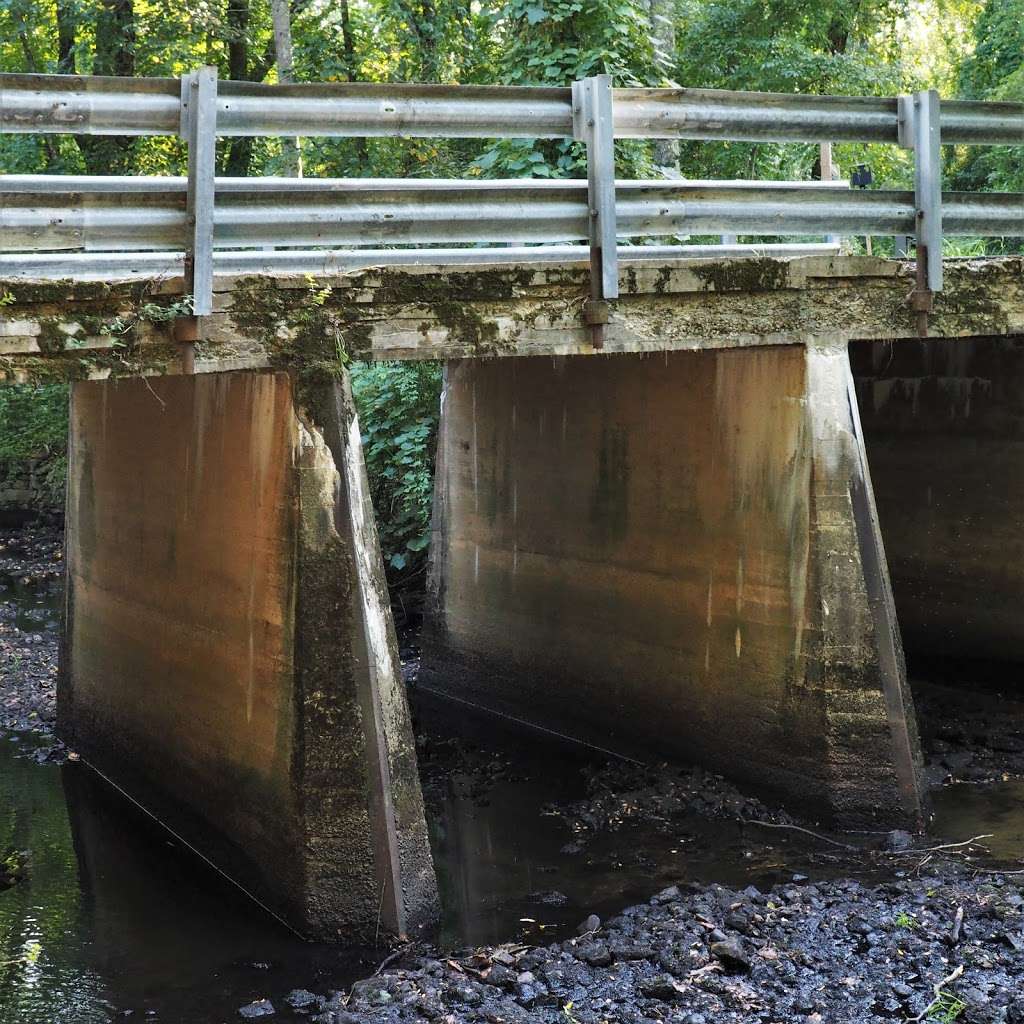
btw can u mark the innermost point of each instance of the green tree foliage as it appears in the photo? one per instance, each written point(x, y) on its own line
point(398, 411)
point(34, 426)
point(554, 42)
point(832, 47)
point(994, 71)
point(972, 48)
point(33, 421)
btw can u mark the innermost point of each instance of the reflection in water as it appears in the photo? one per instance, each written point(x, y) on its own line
point(508, 868)
point(36, 608)
point(966, 810)
point(114, 916)
point(125, 920)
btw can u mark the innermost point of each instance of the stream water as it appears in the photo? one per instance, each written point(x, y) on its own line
point(114, 921)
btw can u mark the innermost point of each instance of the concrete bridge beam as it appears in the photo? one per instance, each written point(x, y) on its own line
point(676, 555)
point(229, 658)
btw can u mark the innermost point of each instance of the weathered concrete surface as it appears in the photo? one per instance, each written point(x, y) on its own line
point(675, 555)
point(229, 660)
point(90, 330)
point(945, 436)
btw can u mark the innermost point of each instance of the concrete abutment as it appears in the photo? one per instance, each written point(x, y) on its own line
point(944, 421)
point(229, 660)
point(676, 555)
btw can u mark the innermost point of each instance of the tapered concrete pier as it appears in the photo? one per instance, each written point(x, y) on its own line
point(676, 555)
point(229, 658)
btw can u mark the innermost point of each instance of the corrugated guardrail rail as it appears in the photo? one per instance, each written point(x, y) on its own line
point(209, 222)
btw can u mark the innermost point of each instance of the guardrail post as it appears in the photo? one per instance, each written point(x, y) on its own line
point(592, 123)
point(199, 129)
point(919, 129)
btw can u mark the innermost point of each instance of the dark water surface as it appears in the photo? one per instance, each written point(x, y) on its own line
point(966, 810)
point(36, 608)
point(113, 915)
point(114, 921)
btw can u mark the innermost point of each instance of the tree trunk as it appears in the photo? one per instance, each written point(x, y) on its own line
point(65, 39)
point(290, 150)
point(239, 155)
point(663, 42)
point(348, 44)
point(115, 55)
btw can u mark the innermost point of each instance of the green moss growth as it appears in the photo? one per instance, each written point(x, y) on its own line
point(317, 333)
point(118, 312)
point(757, 274)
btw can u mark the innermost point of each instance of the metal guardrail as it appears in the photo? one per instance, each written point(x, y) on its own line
point(104, 266)
point(203, 216)
point(110, 214)
point(151, 106)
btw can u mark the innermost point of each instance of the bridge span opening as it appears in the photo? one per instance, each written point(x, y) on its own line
point(672, 547)
point(942, 424)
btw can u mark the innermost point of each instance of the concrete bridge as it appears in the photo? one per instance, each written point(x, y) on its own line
point(655, 529)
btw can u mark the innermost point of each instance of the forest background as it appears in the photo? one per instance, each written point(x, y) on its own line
point(971, 49)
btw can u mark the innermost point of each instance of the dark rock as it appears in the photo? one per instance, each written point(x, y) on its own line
point(300, 998)
point(499, 976)
point(257, 1008)
point(899, 839)
point(660, 986)
point(669, 895)
point(549, 899)
point(597, 954)
point(732, 954)
point(374, 991)
point(632, 950)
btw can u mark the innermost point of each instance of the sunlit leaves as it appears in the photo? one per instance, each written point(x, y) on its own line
point(398, 407)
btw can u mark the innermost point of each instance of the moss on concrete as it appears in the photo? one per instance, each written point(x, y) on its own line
point(759, 274)
point(317, 335)
point(66, 312)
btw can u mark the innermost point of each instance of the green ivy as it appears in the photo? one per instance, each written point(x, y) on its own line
point(398, 405)
point(33, 420)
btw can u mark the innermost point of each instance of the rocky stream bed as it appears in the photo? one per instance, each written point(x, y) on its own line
point(854, 928)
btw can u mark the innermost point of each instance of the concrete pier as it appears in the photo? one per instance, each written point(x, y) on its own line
point(676, 555)
point(229, 660)
point(944, 422)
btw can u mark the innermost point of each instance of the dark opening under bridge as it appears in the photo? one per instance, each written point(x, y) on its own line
point(654, 529)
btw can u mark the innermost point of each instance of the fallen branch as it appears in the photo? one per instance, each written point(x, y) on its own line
point(944, 846)
point(392, 957)
point(937, 990)
point(798, 828)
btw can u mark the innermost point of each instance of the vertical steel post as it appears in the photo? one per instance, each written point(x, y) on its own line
point(919, 130)
point(199, 129)
point(592, 123)
point(827, 174)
